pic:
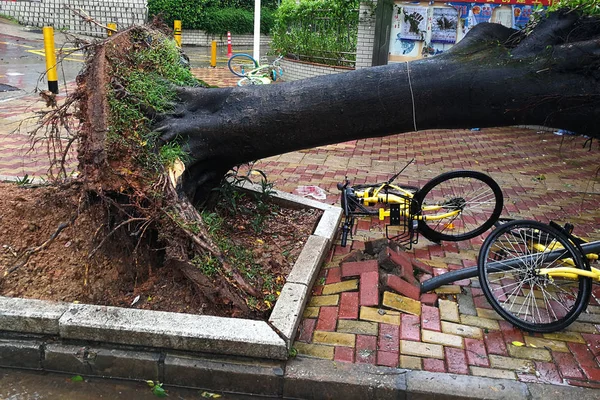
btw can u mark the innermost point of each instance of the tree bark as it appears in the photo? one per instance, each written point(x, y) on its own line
point(496, 76)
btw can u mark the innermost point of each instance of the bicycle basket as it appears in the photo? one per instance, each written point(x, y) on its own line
point(403, 225)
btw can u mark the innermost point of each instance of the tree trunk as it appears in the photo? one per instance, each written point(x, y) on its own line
point(496, 76)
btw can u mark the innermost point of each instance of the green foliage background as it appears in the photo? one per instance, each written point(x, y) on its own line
point(321, 31)
point(214, 16)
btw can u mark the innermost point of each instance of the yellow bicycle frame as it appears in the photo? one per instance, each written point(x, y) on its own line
point(569, 271)
point(377, 197)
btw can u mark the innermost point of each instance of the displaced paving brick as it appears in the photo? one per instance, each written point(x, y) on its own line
point(494, 342)
point(476, 355)
point(489, 314)
point(318, 301)
point(358, 327)
point(427, 350)
point(379, 315)
point(344, 354)
point(444, 339)
point(493, 373)
point(448, 289)
point(430, 318)
point(479, 322)
point(402, 287)
point(456, 360)
point(327, 319)
point(421, 266)
point(547, 372)
point(462, 330)
point(311, 312)
point(529, 353)
point(554, 345)
point(429, 299)
point(401, 303)
point(306, 329)
point(401, 259)
point(366, 349)
point(436, 263)
point(334, 275)
point(369, 289)
point(358, 267)
point(448, 311)
point(314, 350)
point(389, 337)
point(334, 338)
point(514, 364)
point(574, 337)
point(433, 365)
point(348, 305)
point(344, 286)
point(374, 247)
point(410, 328)
point(410, 362)
point(387, 358)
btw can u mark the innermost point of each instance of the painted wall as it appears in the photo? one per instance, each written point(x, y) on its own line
point(54, 13)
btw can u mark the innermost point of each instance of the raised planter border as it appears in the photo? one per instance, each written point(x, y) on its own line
point(103, 325)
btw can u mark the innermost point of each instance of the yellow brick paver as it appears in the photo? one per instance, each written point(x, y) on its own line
point(489, 314)
point(529, 353)
point(462, 330)
point(315, 350)
point(311, 312)
point(515, 364)
point(540, 343)
point(582, 327)
point(419, 349)
point(493, 373)
point(358, 327)
point(379, 315)
point(449, 311)
point(574, 337)
point(334, 338)
point(330, 300)
point(401, 303)
point(344, 286)
point(448, 289)
point(410, 362)
point(445, 339)
point(484, 323)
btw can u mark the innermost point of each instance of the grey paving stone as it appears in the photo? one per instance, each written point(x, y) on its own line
point(307, 378)
point(432, 385)
point(30, 315)
point(21, 353)
point(465, 303)
point(172, 331)
point(287, 312)
point(223, 374)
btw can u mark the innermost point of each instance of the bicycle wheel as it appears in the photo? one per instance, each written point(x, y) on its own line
point(476, 196)
point(241, 64)
point(508, 265)
point(247, 81)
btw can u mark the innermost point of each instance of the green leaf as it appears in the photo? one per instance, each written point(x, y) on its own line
point(158, 391)
point(77, 378)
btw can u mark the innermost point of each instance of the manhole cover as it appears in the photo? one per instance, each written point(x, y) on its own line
point(7, 88)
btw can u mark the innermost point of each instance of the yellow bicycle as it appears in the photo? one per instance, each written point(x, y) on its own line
point(453, 206)
point(537, 276)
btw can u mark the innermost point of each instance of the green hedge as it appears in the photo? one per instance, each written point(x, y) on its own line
point(321, 31)
point(214, 16)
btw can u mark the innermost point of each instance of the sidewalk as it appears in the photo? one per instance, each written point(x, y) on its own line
point(454, 333)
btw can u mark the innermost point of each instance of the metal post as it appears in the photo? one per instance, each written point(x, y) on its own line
point(213, 54)
point(177, 31)
point(50, 59)
point(256, 52)
point(112, 28)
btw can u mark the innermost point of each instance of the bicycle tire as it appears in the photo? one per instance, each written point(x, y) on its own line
point(476, 194)
point(528, 300)
point(248, 81)
point(241, 64)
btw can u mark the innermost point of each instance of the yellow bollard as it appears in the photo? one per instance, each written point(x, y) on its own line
point(177, 32)
point(213, 54)
point(112, 28)
point(50, 59)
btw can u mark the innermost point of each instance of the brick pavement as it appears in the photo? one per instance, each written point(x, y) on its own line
point(347, 319)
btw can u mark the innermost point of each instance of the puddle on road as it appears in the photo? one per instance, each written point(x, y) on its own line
point(29, 385)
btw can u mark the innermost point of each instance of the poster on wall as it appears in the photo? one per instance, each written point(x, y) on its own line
point(413, 22)
point(480, 13)
point(443, 25)
point(398, 45)
point(521, 16)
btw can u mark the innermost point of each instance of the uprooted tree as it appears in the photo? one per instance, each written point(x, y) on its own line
point(136, 127)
